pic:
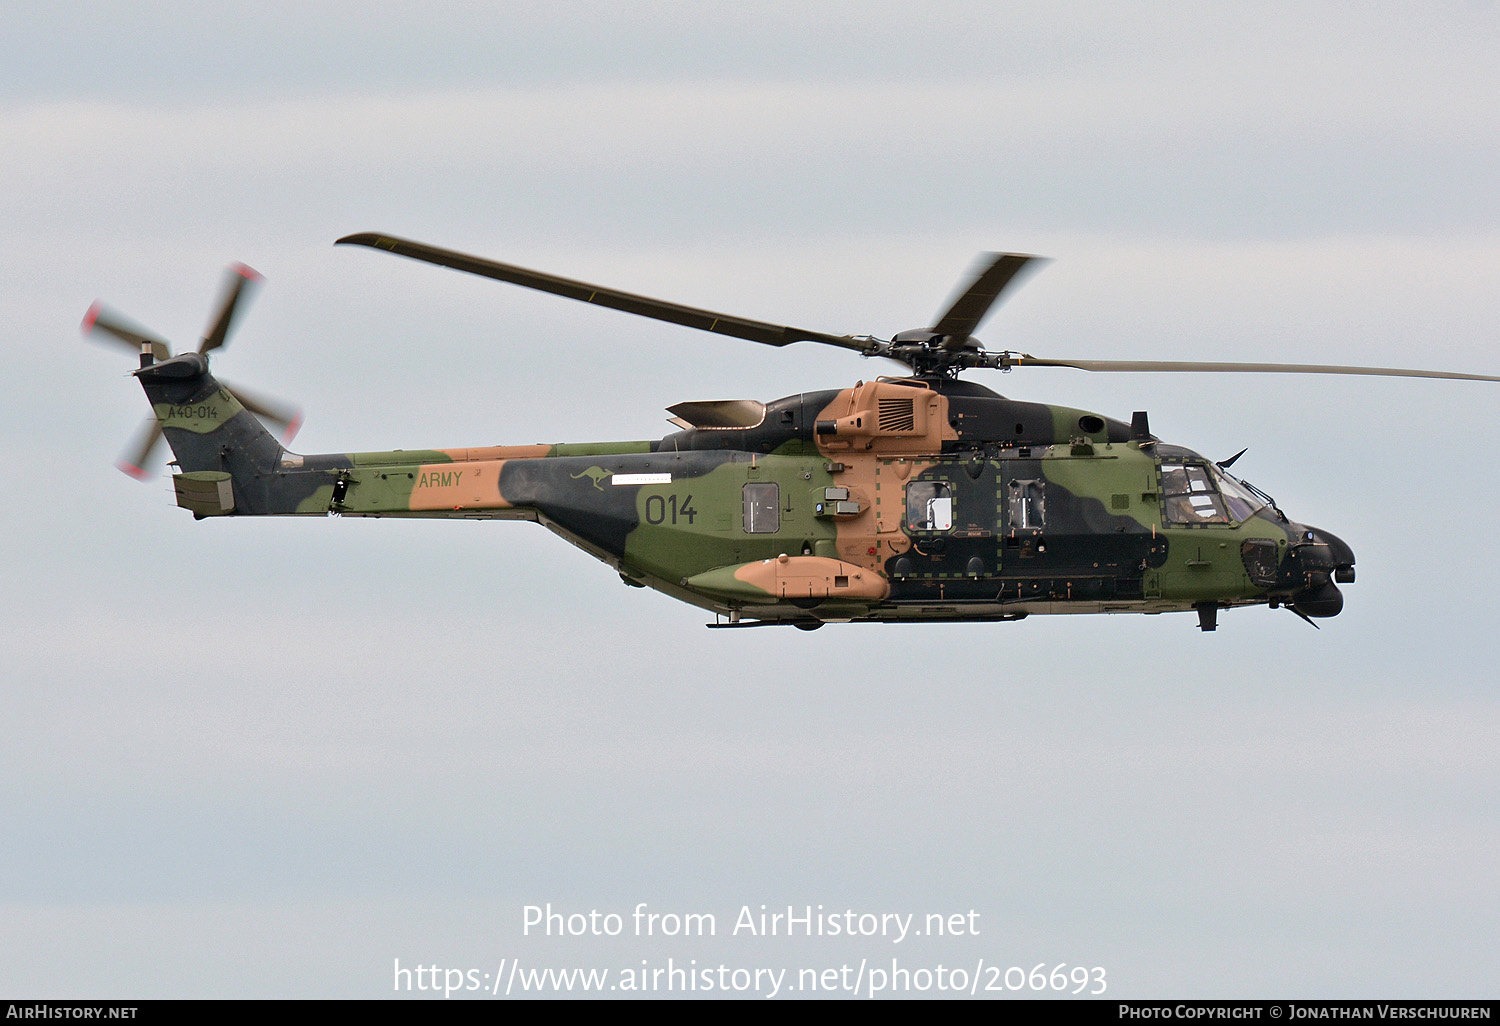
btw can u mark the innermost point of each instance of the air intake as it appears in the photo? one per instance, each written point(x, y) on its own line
point(897, 415)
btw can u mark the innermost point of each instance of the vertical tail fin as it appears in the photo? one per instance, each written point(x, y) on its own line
point(225, 456)
point(189, 402)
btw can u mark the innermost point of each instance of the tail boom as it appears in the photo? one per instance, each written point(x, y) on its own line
point(230, 464)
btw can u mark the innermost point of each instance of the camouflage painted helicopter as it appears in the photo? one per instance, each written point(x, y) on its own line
point(920, 498)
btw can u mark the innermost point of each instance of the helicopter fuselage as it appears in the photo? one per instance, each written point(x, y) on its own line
point(897, 500)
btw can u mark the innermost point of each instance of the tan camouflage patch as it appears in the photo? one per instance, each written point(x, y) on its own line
point(874, 535)
point(456, 486)
point(497, 452)
point(886, 418)
point(814, 577)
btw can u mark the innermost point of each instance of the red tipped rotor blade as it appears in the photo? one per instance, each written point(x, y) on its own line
point(240, 278)
point(135, 459)
point(101, 322)
point(286, 417)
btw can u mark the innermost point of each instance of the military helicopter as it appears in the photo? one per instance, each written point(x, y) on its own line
point(920, 498)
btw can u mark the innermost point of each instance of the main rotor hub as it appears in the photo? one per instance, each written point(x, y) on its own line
point(935, 354)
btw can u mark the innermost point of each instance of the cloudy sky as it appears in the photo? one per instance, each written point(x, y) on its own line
point(270, 758)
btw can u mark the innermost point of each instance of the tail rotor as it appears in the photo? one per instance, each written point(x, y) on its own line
point(105, 325)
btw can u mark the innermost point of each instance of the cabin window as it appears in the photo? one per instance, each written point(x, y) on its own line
point(1026, 504)
point(762, 507)
point(929, 506)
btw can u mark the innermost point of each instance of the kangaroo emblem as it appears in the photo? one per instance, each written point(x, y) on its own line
point(595, 475)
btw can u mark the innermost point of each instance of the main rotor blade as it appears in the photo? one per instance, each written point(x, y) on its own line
point(1021, 360)
point(645, 306)
point(240, 276)
point(101, 321)
point(288, 418)
point(134, 460)
point(996, 271)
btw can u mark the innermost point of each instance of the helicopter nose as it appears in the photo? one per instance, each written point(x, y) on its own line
point(1337, 556)
point(1320, 562)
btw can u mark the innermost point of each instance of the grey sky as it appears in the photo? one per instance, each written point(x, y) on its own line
point(266, 758)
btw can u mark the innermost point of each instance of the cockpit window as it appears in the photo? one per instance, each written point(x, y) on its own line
point(1200, 493)
point(1190, 496)
point(1240, 501)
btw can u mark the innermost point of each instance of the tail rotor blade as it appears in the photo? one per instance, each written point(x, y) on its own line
point(286, 417)
point(103, 323)
point(240, 277)
point(137, 458)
